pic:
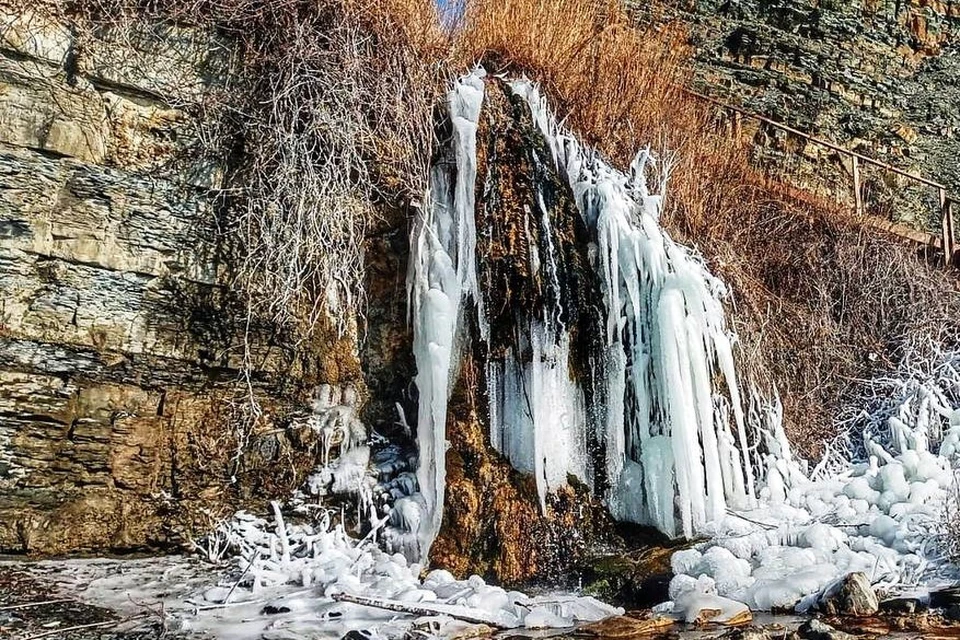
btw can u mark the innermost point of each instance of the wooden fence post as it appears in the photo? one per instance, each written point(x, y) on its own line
point(947, 228)
point(857, 194)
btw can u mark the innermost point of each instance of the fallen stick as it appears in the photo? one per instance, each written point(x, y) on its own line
point(33, 604)
point(253, 558)
point(79, 627)
point(417, 610)
point(224, 605)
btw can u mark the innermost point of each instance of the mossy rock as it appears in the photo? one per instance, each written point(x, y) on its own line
point(634, 580)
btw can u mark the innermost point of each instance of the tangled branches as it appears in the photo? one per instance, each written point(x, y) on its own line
point(324, 108)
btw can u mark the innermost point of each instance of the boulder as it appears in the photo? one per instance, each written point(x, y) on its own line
point(817, 630)
point(750, 632)
point(903, 605)
point(852, 596)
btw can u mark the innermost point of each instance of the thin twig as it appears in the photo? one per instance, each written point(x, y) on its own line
point(80, 627)
point(253, 558)
point(417, 610)
point(34, 604)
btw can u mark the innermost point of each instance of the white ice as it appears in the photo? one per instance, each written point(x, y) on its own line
point(442, 272)
point(667, 345)
point(881, 515)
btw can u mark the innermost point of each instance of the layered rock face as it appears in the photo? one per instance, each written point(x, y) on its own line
point(879, 77)
point(121, 341)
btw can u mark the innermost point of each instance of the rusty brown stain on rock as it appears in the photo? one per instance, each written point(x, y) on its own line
point(492, 524)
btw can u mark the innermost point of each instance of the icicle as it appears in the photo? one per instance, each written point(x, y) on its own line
point(665, 325)
point(443, 270)
point(676, 451)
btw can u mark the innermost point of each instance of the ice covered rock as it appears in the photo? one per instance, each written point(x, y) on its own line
point(695, 607)
point(817, 630)
point(852, 596)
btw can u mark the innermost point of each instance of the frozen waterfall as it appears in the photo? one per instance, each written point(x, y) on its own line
point(670, 439)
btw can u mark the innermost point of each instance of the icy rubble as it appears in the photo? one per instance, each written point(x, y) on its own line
point(287, 574)
point(296, 570)
point(880, 516)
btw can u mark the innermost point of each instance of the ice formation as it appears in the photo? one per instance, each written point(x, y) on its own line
point(296, 569)
point(674, 441)
point(291, 568)
point(879, 512)
point(670, 436)
point(684, 446)
point(443, 272)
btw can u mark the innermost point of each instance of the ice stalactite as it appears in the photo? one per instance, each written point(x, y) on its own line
point(442, 273)
point(647, 410)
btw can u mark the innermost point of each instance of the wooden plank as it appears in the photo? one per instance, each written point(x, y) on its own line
point(949, 238)
point(923, 238)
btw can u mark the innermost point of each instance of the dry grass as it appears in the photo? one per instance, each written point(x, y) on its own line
point(611, 80)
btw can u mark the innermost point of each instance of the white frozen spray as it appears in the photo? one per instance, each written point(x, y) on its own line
point(879, 513)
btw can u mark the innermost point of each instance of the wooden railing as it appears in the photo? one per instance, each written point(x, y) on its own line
point(945, 241)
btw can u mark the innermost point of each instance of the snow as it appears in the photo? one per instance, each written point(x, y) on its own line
point(278, 606)
point(692, 605)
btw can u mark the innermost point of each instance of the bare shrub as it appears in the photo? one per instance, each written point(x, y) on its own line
point(330, 112)
point(325, 109)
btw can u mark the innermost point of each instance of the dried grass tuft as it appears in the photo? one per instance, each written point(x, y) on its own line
point(822, 302)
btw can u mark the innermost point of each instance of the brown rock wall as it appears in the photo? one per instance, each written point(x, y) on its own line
point(121, 335)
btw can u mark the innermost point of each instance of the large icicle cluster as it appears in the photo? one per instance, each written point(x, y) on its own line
point(442, 272)
point(671, 436)
point(674, 440)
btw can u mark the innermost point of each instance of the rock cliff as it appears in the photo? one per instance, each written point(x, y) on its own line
point(875, 76)
point(121, 335)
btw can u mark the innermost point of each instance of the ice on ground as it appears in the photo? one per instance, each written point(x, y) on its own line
point(879, 513)
point(318, 562)
point(285, 589)
point(695, 606)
